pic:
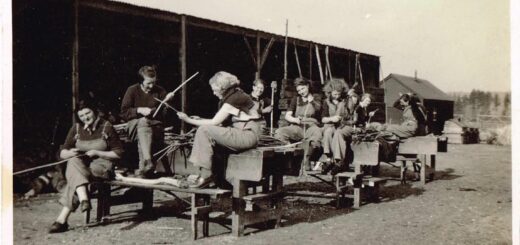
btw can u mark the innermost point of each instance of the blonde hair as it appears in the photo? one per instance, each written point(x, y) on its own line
point(366, 95)
point(224, 80)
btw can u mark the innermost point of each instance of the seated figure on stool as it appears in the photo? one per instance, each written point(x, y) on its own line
point(91, 147)
point(262, 103)
point(304, 114)
point(138, 108)
point(233, 127)
point(413, 123)
point(343, 135)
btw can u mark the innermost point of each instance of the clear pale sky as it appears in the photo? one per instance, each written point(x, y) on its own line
point(457, 45)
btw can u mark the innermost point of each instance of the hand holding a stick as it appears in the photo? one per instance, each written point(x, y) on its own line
point(171, 94)
point(73, 152)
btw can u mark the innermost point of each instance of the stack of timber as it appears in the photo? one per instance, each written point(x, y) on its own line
point(460, 133)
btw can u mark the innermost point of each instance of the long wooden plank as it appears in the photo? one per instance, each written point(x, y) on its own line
point(217, 192)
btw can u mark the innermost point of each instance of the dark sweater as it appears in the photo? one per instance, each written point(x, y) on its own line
point(135, 97)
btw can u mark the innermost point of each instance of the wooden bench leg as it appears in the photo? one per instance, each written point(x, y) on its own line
point(432, 168)
point(205, 227)
point(403, 172)
point(105, 197)
point(194, 219)
point(147, 200)
point(357, 197)
point(87, 217)
point(423, 168)
point(239, 191)
point(375, 193)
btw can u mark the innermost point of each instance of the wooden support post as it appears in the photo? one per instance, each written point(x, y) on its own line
point(310, 61)
point(258, 58)
point(75, 66)
point(182, 61)
point(285, 51)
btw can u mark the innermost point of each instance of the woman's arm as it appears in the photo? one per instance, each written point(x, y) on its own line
point(326, 118)
point(289, 117)
point(109, 155)
point(68, 149)
point(222, 114)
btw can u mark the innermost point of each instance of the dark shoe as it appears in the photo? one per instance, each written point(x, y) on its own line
point(202, 182)
point(58, 227)
point(84, 206)
point(148, 168)
point(328, 167)
point(338, 169)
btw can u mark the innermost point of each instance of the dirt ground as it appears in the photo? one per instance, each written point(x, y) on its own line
point(468, 203)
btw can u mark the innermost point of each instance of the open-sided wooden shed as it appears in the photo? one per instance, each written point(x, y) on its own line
point(67, 48)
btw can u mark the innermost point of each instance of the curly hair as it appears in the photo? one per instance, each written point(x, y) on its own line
point(336, 84)
point(224, 80)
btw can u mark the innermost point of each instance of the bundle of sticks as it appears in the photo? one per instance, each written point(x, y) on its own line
point(174, 142)
point(266, 140)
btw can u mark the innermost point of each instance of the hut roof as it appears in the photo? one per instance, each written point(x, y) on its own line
point(423, 88)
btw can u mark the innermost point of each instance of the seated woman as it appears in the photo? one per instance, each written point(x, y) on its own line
point(262, 104)
point(414, 117)
point(343, 135)
point(238, 131)
point(91, 146)
point(335, 113)
point(304, 115)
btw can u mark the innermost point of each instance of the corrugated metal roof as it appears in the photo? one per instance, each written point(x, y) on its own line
point(423, 88)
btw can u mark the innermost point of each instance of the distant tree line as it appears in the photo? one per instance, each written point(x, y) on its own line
point(477, 102)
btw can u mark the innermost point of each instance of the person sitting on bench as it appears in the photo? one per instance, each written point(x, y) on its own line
point(239, 130)
point(414, 117)
point(92, 145)
point(343, 135)
point(262, 104)
point(336, 113)
point(138, 108)
point(304, 114)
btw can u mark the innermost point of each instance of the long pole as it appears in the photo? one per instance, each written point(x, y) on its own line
point(273, 90)
point(297, 60)
point(285, 50)
point(319, 63)
point(360, 74)
point(177, 89)
point(75, 67)
point(328, 62)
point(182, 59)
point(258, 58)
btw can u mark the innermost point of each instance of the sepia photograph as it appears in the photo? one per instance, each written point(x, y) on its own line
point(258, 122)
